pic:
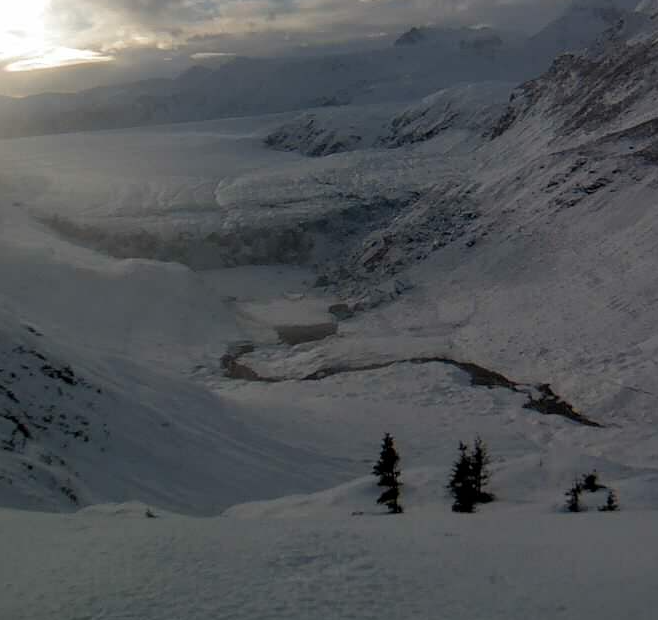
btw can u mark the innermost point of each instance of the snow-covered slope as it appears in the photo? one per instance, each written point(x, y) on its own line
point(115, 563)
point(583, 22)
point(459, 116)
point(555, 268)
point(80, 426)
point(327, 131)
point(96, 398)
point(77, 430)
point(606, 92)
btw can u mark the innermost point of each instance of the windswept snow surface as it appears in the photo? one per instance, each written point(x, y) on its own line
point(113, 563)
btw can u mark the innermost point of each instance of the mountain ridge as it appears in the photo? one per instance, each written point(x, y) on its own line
point(252, 86)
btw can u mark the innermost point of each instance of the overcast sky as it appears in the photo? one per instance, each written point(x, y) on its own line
point(127, 39)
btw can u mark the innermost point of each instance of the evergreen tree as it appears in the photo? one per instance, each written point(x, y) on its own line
point(462, 484)
point(591, 482)
point(481, 475)
point(386, 469)
point(573, 497)
point(611, 504)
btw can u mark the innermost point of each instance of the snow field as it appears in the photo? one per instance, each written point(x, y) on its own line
point(432, 565)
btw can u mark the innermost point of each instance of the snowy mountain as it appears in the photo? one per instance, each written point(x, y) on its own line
point(426, 196)
point(456, 115)
point(485, 41)
point(606, 92)
point(252, 86)
point(222, 319)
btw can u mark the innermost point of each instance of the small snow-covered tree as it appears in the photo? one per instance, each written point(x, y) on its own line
point(481, 475)
point(462, 485)
point(611, 504)
point(386, 469)
point(573, 498)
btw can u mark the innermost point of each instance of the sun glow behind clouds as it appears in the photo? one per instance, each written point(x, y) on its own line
point(25, 45)
point(57, 57)
point(22, 29)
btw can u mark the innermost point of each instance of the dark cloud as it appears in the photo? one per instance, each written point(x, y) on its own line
point(106, 22)
point(129, 23)
point(81, 14)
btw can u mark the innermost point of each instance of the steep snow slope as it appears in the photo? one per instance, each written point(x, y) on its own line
point(611, 89)
point(326, 131)
point(468, 109)
point(96, 402)
point(583, 22)
point(161, 313)
point(77, 430)
point(458, 115)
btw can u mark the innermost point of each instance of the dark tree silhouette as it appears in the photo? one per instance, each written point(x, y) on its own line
point(386, 469)
point(591, 482)
point(481, 475)
point(462, 485)
point(611, 504)
point(573, 498)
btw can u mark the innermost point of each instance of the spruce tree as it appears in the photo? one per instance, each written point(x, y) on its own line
point(591, 482)
point(386, 469)
point(573, 497)
point(481, 475)
point(462, 485)
point(611, 504)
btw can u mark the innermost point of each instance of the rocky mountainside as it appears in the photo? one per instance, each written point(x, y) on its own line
point(455, 115)
point(610, 90)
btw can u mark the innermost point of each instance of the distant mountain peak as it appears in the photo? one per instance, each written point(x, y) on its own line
point(474, 38)
point(412, 37)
